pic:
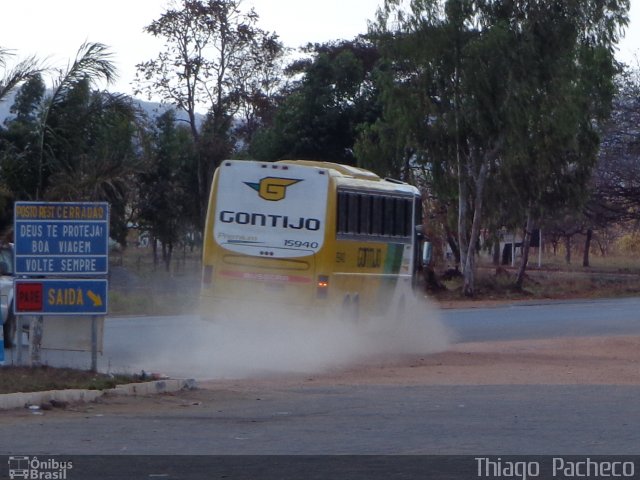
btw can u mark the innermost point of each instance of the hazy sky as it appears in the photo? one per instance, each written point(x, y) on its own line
point(56, 28)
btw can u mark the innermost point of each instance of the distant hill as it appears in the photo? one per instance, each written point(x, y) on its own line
point(152, 109)
point(5, 106)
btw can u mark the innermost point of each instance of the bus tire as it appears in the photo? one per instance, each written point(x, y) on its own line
point(401, 309)
point(346, 306)
point(350, 308)
point(9, 329)
point(355, 307)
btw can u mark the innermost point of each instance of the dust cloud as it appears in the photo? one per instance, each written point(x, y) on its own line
point(267, 342)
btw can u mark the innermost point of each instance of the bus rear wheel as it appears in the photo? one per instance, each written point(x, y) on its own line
point(401, 310)
point(351, 307)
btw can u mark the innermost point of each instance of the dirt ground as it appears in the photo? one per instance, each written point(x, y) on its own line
point(613, 360)
point(566, 361)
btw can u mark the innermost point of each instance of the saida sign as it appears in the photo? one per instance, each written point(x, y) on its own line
point(61, 297)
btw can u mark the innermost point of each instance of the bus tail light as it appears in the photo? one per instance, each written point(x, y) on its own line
point(207, 275)
point(323, 286)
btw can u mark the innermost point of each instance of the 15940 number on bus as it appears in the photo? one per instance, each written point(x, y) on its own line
point(301, 244)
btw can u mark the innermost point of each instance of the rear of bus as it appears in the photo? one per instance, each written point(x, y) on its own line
point(265, 224)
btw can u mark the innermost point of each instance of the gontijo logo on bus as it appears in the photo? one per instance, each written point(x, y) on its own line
point(258, 211)
point(272, 188)
point(267, 220)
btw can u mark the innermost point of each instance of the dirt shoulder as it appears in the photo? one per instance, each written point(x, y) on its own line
point(564, 361)
point(611, 360)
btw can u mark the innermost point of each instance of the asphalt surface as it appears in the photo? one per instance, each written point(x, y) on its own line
point(545, 320)
point(343, 420)
point(185, 346)
point(351, 419)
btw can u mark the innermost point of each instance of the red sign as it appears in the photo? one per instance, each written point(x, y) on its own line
point(29, 297)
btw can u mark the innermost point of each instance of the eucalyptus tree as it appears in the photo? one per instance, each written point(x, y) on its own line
point(261, 91)
point(164, 205)
point(565, 70)
point(213, 54)
point(446, 91)
point(498, 95)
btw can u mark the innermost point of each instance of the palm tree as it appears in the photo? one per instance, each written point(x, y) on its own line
point(11, 78)
point(93, 64)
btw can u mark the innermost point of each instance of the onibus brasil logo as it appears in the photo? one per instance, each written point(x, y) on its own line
point(272, 188)
point(38, 469)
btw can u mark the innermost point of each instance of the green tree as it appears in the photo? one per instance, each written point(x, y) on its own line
point(75, 143)
point(213, 50)
point(92, 152)
point(497, 94)
point(19, 141)
point(164, 205)
point(445, 93)
point(261, 91)
point(13, 76)
point(92, 64)
point(564, 69)
point(10, 78)
point(320, 115)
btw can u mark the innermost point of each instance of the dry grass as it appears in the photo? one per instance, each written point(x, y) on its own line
point(138, 285)
point(606, 277)
point(38, 379)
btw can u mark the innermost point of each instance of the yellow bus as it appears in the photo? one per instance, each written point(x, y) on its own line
point(314, 236)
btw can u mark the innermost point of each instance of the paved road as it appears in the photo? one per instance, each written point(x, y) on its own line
point(498, 420)
point(184, 346)
point(346, 419)
point(546, 320)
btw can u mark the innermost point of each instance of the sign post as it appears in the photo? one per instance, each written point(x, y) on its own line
point(94, 343)
point(1, 341)
point(60, 250)
point(18, 347)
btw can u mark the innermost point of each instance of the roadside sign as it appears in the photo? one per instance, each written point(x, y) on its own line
point(61, 238)
point(49, 296)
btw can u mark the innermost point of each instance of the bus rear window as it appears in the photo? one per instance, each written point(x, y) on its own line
point(371, 214)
